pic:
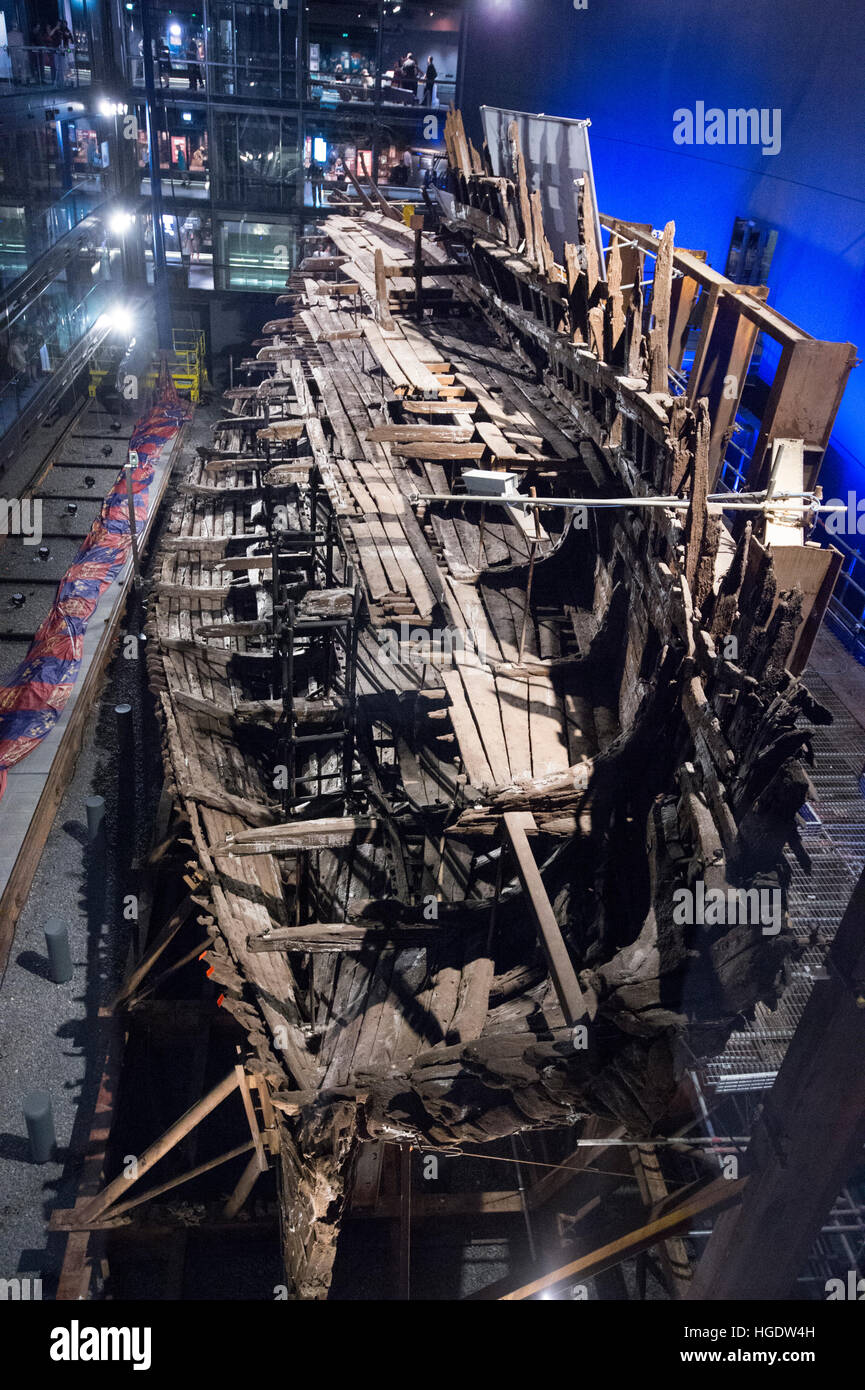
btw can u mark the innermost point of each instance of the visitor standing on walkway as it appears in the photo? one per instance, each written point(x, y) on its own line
point(410, 75)
point(429, 82)
point(193, 71)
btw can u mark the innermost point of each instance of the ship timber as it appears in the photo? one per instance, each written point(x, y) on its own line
point(445, 762)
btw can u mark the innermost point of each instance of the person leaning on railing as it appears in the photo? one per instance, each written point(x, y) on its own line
point(61, 40)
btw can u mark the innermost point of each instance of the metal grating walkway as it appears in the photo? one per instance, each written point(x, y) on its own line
point(835, 842)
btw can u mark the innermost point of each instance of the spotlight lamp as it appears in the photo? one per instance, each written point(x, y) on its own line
point(120, 221)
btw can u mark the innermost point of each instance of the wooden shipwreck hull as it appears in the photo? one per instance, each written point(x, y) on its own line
point(446, 763)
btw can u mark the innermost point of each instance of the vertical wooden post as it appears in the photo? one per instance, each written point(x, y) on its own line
point(532, 556)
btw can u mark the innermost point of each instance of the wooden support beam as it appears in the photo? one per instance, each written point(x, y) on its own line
point(347, 938)
point(428, 268)
point(294, 1102)
point(808, 1139)
point(387, 208)
point(682, 298)
point(707, 324)
point(578, 1162)
point(519, 169)
point(676, 1221)
point(248, 1178)
point(461, 407)
point(70, 1221)
point(158, 980)
point(237, 564)
point(420, 433)
point(251, 1117)
point(443, 1205)
point(661, 289)
point(297, 836)
point(366, 202)
point(310, 264)
point(163, 1145)
point(561, 970)
point(427, 450)
point(271, 1131)
point(653, 1190)
point(164, 939)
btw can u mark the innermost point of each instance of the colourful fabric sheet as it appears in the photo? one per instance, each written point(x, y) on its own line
point(35, 694)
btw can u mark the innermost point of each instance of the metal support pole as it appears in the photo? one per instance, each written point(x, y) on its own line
point(352, 639)
point(418, 272)
point(523, 1201)
point(287, 653)
point(530, 581)
point(133, 526)
point(153, 109)
point(379, 58)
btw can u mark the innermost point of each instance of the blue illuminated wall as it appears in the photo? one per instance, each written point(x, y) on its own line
point(629, 64)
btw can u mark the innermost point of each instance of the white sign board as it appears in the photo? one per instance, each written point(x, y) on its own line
point(557, 158)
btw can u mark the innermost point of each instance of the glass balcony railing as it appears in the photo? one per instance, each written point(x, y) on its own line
point(260, 76)
point(28, 357)
point(330, 92)
point(28, 232)
point(25, 65)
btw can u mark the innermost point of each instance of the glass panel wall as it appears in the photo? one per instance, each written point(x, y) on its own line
point(255, 159)
point(417, 53)
point(51, 178)
point(253, 49)
point(40, 53)
point(420, 53)
point(37, 341)
point(188, 241)
point(255, 255)
point(342, 52)
point(222, 47)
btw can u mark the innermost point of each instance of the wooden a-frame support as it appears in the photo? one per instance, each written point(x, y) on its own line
point(104, 1207)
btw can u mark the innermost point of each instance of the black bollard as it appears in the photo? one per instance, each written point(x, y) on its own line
point(59, 954)
point(40, 1126)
